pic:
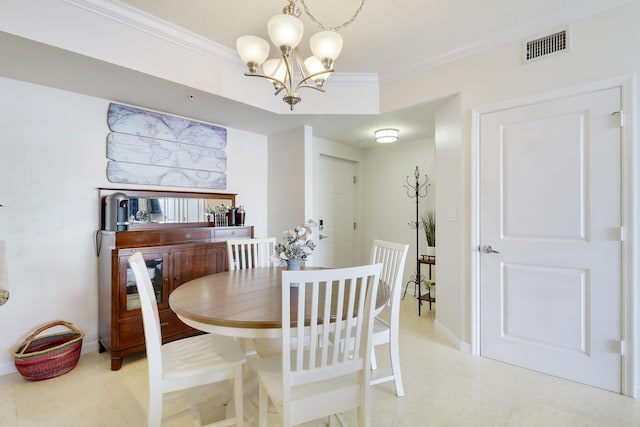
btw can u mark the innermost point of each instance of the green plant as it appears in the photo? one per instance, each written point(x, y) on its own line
point(429, 224)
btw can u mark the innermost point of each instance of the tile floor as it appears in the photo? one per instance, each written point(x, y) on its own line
point(444, 388)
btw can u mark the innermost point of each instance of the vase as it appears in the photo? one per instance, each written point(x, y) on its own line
point(293, 264)
point(431, 251)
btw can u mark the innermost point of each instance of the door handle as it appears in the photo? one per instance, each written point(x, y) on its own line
point(489, 250)
point(320, 237)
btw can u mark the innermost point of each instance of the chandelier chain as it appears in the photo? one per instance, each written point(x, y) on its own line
point(337, 28)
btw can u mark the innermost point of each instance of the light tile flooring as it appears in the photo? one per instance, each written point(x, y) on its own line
point(444, 388)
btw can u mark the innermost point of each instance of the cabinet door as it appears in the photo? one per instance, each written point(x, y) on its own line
point(157, 267)
point(198, 261)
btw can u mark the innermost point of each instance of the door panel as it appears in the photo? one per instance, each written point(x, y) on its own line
point(550, 204)
point(536, 204)
point(336, 206)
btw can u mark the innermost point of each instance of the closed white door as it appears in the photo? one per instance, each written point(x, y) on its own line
point(550, 233)
point(336, 207)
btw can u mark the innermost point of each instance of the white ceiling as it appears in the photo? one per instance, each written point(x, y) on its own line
point(389, 39)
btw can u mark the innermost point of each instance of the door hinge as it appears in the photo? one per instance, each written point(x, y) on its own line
point(622, 234)
point(620, 115)
point(355, 179)
point(354, 225)
point(622, 348)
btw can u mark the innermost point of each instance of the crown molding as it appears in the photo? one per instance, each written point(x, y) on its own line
point(150, 24)
point(352, 80)
point(539, 25)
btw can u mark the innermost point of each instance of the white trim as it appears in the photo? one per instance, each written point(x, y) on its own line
point(496, 39)
point(453, 338)
point(474, 229)
point(150, 24)
point(631, 211)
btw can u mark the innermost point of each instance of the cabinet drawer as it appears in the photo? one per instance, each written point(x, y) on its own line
point(187, 235)
point(132, 333)
point(233, 233)
point(138, 238)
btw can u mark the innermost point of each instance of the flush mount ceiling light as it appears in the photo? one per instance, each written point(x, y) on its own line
point(385, 136)
point(286, 32)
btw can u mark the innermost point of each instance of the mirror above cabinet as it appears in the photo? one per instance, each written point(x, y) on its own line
point(138, 209)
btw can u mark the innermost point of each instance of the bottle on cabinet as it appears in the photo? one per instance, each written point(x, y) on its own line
point(240, 215)
point(231, 216)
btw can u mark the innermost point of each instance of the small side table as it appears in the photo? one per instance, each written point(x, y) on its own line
point(430, 261)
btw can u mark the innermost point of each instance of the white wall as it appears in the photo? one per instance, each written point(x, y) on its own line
point(449, 235)
point(383, 209)
point(286, 197)
point(52, 160)
point(387, 209)
point(603, 47)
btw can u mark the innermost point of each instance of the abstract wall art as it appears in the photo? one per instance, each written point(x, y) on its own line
point(145, 147)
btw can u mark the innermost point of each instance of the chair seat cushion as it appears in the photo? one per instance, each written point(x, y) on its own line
point(200, 354)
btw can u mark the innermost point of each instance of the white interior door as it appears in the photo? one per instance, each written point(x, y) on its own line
point(336, 207)
point(550, 205)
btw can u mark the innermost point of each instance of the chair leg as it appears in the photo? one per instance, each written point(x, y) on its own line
point(363, 417)
point(394, 353)
point(154, 417)
point(263, 406)
point(238, 396)
point(195, 415)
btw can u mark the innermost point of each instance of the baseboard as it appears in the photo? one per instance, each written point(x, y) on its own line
point(453, 339)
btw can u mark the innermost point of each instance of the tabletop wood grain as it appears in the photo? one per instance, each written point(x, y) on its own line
point(246, 299)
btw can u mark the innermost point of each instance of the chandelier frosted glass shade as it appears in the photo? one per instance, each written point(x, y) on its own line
point(252, 50)
point(285, 31)
point(314, 66)
point(275, 68)
point(385, 136)
point(326, 46)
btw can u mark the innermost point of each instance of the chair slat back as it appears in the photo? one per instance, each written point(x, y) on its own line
point(393, 257)
point(150, 317)
point(317, 303)
point(250, 253)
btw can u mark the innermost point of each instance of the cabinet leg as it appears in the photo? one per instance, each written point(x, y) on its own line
point(116, 363)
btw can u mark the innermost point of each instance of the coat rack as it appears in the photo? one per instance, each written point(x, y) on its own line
point(417, 191)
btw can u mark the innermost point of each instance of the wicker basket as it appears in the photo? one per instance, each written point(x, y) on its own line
point(49, 355)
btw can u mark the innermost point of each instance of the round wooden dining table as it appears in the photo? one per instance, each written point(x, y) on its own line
point(240, 303)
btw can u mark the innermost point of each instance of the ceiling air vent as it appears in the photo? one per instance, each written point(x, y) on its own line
point(543, 46)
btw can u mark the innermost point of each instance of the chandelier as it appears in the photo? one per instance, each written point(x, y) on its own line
point(286, 32)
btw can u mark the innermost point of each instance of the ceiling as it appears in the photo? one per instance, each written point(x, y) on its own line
point(390, 40)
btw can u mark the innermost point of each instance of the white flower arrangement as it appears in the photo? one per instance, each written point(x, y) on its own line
point(296, 243)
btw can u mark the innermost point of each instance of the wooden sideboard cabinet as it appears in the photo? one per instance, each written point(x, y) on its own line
point(173, 257)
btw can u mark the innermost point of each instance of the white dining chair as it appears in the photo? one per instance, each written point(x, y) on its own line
point(249, 253)
point(186, 363)
point(393, 257)
point(312, 379)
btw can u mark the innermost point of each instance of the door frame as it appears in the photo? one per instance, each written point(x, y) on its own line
point(630, 168)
